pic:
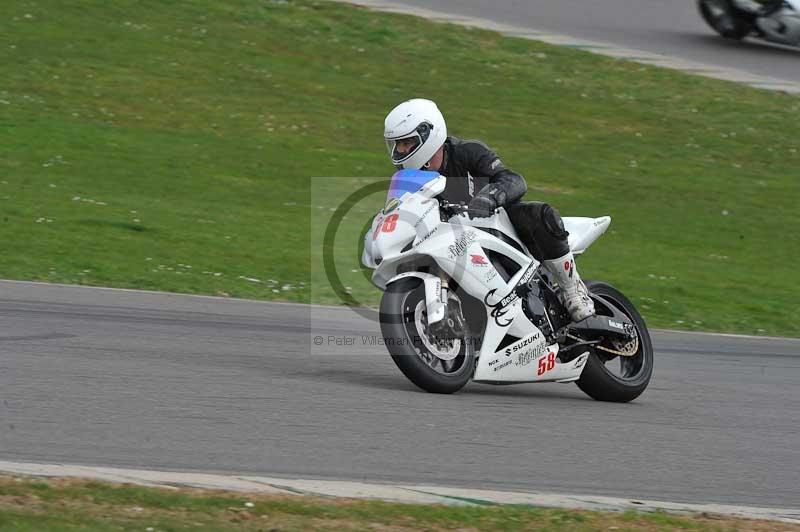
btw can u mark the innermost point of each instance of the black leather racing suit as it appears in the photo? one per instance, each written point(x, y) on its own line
point(472, 168)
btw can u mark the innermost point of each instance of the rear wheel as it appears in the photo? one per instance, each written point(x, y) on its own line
point(617, 371)
point(724, 19)
point(435, 365)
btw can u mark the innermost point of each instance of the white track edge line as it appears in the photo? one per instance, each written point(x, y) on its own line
point(403, 493)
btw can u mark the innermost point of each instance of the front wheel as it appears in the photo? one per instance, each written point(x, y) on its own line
point(724, 19)
point(617, 371)
point(435, 365)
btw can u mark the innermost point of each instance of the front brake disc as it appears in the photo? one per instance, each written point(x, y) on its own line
point(443, 349)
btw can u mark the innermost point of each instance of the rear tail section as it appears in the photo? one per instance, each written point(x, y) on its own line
point(584, 231)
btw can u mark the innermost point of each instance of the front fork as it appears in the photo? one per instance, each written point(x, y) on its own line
point(448, 322)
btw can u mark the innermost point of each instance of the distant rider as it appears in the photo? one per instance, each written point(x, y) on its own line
point(416, 135)
point(760, 8)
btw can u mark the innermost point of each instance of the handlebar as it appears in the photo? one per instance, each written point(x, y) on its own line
point(459, 208)
point(456, 208)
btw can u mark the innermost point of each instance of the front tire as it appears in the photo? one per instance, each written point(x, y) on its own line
point(723, 18)
point(436, 366)
point(598, 379)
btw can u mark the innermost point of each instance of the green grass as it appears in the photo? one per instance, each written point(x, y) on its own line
point(170, 146)
point(61, 504)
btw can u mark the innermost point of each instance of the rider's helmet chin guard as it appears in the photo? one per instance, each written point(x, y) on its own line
point(421, 123)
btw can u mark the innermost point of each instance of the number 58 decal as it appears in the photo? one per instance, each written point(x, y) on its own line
point(387, 226)
point(546, 364)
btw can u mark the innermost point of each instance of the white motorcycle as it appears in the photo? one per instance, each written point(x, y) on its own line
point(737, 19)
point(465, 300)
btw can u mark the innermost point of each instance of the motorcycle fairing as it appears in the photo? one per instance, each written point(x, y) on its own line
point(459, 247)
point(460, 250)
point(529, 359)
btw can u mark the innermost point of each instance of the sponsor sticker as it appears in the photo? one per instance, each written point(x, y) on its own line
point(503, 365)
point(530, 354)
point(522, 344)
point(527, 350)
point(500, 308)
point(527, 275)
point(424, 215)
point(460, 246)
point(391, 205)
point(426, 237)
point(377, 228)
point(479, 260)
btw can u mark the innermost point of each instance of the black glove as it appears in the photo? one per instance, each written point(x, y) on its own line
point(481, 207)
point(484, 204)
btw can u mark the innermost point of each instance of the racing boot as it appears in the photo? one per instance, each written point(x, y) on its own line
point(572, 292)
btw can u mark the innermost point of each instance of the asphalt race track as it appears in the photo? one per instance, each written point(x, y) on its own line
point(146, 380)
point(669, 27)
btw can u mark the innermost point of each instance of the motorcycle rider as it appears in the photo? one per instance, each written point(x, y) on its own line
point(416, 136)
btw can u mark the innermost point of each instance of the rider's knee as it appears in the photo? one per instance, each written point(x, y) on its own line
point(552, 222)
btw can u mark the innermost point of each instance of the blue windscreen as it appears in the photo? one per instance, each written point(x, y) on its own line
point(409, 181)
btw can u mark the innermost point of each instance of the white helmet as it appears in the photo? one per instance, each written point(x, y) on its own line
point(420, 121)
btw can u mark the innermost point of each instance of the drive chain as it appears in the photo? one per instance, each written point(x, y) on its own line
point(608, 349)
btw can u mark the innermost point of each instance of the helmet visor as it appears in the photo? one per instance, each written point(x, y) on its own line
point(402, 148)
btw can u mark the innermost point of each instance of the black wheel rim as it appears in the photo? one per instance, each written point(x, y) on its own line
point(632, 367)
point(414, 335)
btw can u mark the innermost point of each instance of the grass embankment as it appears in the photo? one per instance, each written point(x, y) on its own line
point(169, 146)
point(36, 505)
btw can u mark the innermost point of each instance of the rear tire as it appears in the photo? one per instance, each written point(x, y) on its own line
point(723, 18)
point(401, 332)
point(597, 381)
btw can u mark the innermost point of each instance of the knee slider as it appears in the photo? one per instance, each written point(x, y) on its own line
point(553, 223)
